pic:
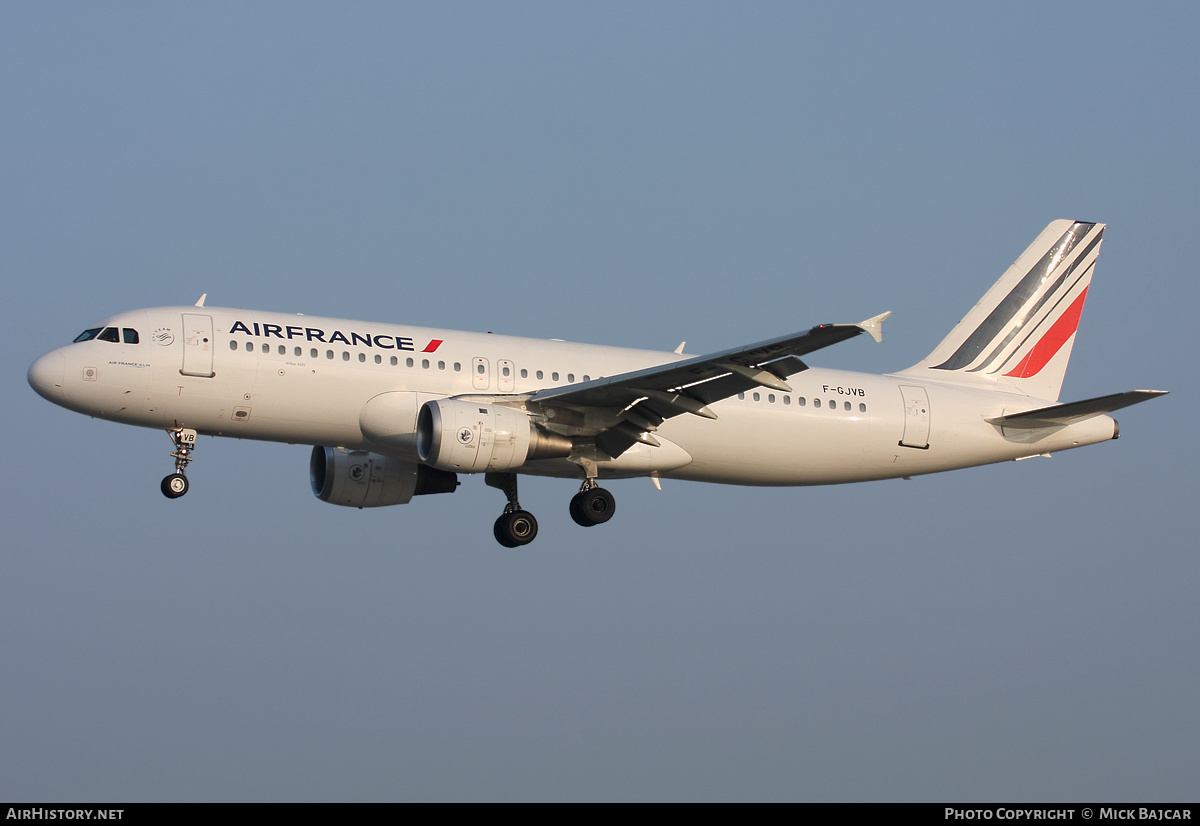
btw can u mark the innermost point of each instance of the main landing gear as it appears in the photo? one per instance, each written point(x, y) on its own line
point(515, 527)
point(176, 484)
point(592, 505)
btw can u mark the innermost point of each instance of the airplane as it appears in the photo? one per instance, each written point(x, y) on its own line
point(394, 412)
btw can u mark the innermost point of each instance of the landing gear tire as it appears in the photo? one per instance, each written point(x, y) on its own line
point(593, 506)
point(515, 528)
point(174, 486)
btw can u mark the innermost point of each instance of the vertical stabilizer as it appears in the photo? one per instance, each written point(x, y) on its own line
point(1021, 332)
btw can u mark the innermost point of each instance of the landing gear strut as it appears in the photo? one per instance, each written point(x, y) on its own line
point(176, 484)
point(592, 505)
point(515, 527)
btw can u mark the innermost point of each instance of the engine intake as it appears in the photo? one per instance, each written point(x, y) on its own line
point(470, 437)
point(358, 479)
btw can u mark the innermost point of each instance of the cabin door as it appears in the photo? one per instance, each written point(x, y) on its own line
point(916, 417)
point(197, 345)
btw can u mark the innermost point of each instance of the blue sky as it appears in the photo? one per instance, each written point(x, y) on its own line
point(629, 174)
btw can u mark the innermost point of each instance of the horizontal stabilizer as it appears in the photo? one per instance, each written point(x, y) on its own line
point(1063, 414)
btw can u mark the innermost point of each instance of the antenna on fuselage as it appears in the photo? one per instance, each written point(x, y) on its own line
point(203, 296)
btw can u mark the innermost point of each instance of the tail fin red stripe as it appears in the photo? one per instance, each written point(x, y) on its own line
point(1051, 342)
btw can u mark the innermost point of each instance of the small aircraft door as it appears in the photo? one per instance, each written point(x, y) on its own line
point(479, 373)
point(504, 376)
point(916, 417)
point(197, 345)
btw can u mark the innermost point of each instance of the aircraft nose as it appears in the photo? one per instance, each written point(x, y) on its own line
point(46, 376)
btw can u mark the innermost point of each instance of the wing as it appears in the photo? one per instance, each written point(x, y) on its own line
point(622, 410)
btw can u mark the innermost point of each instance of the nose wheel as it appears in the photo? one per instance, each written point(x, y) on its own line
point(176, 484)
point(592, 505)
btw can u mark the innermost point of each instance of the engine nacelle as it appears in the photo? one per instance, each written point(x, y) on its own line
point(471, 437)
point(358, 479)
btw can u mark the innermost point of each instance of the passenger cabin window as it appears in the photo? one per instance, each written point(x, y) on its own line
point(88, 335)
point(109, 334)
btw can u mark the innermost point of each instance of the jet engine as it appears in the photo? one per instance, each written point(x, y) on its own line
point(472, 437)
point(358, 479)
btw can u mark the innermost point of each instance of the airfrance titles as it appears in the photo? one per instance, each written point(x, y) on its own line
point(383, 341)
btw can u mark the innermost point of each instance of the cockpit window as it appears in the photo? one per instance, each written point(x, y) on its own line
point(129, 335)
point(109, 334)
point(88, 335)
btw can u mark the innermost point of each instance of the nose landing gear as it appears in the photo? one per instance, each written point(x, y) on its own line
point(176, 484)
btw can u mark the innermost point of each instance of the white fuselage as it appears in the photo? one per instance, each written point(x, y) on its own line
point(322, 381)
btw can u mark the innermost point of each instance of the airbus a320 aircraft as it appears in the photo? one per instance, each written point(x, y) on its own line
point(395, 412)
